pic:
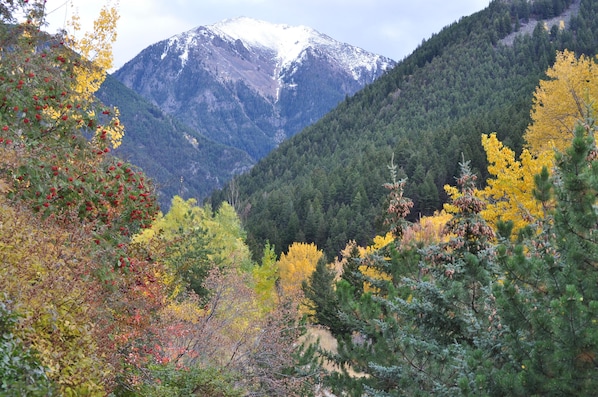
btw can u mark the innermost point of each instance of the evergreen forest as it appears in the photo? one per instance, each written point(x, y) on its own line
point(436, 234)
point(476, 76)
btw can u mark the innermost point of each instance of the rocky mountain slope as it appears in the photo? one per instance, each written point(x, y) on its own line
point(250, 84)
point(179, 159)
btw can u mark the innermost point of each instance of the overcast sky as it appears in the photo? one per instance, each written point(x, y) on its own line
point(393, 28)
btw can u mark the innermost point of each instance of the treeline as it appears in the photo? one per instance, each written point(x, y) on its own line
point(325, 185)
point(495, 296)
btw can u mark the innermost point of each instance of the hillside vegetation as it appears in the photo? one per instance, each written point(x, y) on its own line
point(103, 294)
point(325, 184)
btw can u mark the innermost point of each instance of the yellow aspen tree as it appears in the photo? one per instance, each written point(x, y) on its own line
point(509, 193)
point(366, 253)
point(378, 243)
point(428, 230)
point(95, 49)
point(561, 101)
point(296, 266)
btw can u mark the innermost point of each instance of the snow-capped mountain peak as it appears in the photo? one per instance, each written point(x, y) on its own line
point(284, 44)
point(287, 42)
point(249, 83)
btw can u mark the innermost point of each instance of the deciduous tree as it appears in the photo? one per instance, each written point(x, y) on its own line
point(296, 266)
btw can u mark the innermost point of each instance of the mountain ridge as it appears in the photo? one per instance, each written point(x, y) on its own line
point(325, 185)
point(238, 83)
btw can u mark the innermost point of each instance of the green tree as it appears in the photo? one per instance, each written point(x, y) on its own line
point(321, 299)
point(265, 276)
point(422, 330)
point(549, 299)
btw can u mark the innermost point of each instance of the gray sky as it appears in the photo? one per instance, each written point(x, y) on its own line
point(393, 28)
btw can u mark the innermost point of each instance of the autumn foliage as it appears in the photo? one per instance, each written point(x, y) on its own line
point(103, 294)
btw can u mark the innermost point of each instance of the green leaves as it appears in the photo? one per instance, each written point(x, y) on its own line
point(21, 372)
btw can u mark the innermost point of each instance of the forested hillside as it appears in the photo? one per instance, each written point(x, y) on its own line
point(101, 293)
point(495, 295)
point(181, 161)
point(325, 184)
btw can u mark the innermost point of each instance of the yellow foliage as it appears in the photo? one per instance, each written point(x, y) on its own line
point(560, 102)
point(95, 49)
point(509, 193)
point(187, 310)
point(296, 266)
point(44, 272)
point(453, 193)
point(377, 243)
point(428, 230)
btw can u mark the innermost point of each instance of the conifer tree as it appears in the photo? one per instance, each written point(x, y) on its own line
point(422, 332)
point(321, 299)
point(549, 299)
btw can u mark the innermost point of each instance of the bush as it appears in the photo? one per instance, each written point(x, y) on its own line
point(21, 373)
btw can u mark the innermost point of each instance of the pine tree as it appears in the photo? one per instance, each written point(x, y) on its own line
point(549, 299)
point(424, 331)
point(448, 318)
point(321, 299)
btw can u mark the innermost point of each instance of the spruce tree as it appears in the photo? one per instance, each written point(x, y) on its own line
point(549, 299)
point(321, 298)
point(422, 331)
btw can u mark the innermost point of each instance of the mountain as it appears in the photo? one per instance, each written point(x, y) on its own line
point(250, 84)
point(179, 159)
point(325, 185)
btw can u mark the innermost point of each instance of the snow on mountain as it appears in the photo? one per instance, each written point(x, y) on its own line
point(250, 84)
point(287, 44)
